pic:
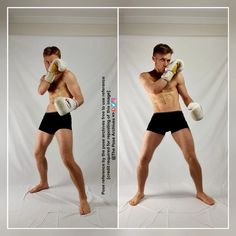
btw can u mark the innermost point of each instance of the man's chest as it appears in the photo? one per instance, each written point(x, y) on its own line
point(58, 85)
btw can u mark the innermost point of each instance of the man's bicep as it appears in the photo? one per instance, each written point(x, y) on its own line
point(73, 86)
point(154, 87)
point(182, 89)
point(70, 80)
point(147, 84)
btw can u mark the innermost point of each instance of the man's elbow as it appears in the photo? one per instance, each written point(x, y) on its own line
point(41, 91)
point(156, 90)
point(81, 101)
point(43, 87)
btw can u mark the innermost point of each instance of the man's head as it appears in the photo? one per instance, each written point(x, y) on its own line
point(50, 54)
point(162, 56)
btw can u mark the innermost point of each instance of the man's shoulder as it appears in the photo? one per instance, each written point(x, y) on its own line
point(144, 75)
point(68, 75)
point(179, 78)
point(152, 75)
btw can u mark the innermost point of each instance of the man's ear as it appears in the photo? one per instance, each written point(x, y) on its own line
point(153, 58)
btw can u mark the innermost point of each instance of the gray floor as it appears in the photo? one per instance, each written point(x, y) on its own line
point(171, 207)
point(58, 207)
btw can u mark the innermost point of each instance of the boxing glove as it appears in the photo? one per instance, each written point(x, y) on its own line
point(173, 68)
point(195, 110)
point(65, 105)
point(55, 66)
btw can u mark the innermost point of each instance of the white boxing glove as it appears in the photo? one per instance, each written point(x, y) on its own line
point(173, 68)
point(60, 64)
point(55, 66)
point(65, 105)
point(196, 111)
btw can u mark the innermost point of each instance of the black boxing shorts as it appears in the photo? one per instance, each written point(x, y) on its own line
point(52, 122)
point(162, 122)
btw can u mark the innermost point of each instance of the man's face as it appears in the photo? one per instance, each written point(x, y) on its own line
point(161, 61)
point(48, 60)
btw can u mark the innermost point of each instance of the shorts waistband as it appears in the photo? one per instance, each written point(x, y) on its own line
point(168, 112)
point(55, 113)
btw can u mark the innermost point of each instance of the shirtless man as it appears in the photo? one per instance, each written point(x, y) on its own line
point(164, 85)
point(64, 96)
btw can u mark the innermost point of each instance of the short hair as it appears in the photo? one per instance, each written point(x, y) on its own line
point(53, 50)
point(162, 48)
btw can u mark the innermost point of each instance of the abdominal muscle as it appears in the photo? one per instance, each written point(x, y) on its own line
point(166, 101)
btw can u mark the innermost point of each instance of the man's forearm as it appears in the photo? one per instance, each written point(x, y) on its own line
point(43, 86)
point(159, 85)
point(79, 99)
point(187, 101)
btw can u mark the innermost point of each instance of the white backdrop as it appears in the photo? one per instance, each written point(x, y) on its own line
point(89, 58)
point(206, 79)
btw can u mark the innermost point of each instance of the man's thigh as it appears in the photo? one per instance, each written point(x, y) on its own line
point(184, 139)
point(65, 140)
point(43, 139)
point(151, 141)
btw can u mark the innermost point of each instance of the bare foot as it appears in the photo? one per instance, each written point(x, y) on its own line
point(136, 199)
point(38, 188)
point(84, 207)
point(206, 199)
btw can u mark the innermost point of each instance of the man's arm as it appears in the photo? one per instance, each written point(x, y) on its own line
point(151, 86)
point(73, 87)
point(54, 72)
point(182, 89)
point(44, 85)
point(65, 105)
point(194, 108)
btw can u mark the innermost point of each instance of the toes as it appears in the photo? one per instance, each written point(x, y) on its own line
point(37, 189)
point(206, 199)
point(84, 212)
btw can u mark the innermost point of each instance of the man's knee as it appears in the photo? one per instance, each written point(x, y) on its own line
point(144, 160)
point(68, 160)
point(39, 153)
point(190, 157)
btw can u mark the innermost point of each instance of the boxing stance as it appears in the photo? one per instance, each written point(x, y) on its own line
point(164, 84)
point(64, 96)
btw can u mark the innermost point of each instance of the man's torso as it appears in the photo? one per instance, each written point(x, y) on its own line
point(168, 99)
point(56, 89)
